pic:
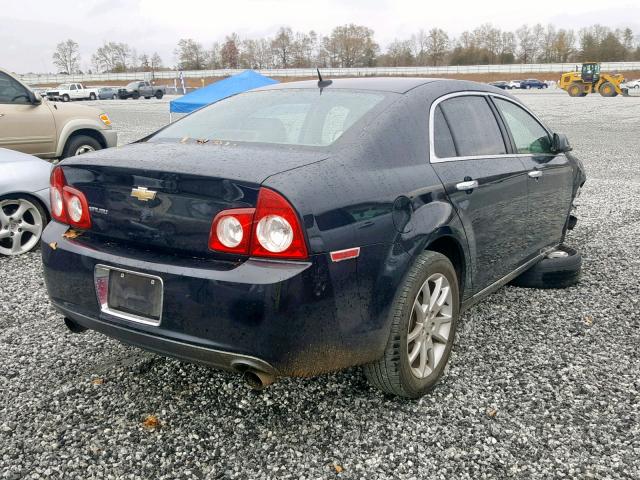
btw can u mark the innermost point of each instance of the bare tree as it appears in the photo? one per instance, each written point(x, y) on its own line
point(419, 43)
point(351, 46)
point(113, 57)
point(230, 51)
point(145, 64)
point(437, 46)
point(282, 44)
point(489, 39)
point(67, 57)
point(399, 54)
point(156, 62)
point(191, 55)
point(508, 45)
point(529, 42)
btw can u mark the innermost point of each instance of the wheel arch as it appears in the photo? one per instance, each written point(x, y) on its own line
point(88, 131)
point(31, 197)
point(450, 247)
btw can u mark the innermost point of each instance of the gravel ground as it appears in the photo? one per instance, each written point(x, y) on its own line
point(542, 384)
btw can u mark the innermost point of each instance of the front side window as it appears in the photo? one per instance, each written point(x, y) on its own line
point(289, 116)
point(528, 135)
point(12, 91)
point(473, 126)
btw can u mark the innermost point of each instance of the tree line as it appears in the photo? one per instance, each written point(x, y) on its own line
point(355, 46)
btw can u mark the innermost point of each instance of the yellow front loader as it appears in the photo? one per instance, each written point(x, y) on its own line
point(591, 80)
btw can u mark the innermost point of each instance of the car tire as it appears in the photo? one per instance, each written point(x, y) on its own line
point(561, 268)
point(147, 98)
point(114, 97)
point(396, 372)
point(79, 144)
point(159, 95)
point(66, 98)
point(92, 96)
point(31, 221)
point(135, 96)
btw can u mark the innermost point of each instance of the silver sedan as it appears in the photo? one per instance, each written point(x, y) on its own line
point(24, 201)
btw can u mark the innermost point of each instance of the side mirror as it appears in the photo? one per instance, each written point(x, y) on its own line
point(33, 98)
point(560, 143)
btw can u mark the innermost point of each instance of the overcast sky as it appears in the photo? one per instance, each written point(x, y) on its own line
point(30, 29)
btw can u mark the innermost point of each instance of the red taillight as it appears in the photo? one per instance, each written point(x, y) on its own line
point(270, 230)
point(57, 201)
point(68, 205)
point(231, 231)
point(277, 231)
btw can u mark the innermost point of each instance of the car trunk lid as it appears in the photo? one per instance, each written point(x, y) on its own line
point(165, 195)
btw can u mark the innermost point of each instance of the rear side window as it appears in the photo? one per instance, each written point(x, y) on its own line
point(443, 141)
point(473, 126)
point(528, 135)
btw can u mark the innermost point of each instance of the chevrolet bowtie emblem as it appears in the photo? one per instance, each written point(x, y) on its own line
point(143, 194)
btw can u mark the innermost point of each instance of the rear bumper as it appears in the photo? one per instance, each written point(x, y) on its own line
point(284, 318)
point(170, 347)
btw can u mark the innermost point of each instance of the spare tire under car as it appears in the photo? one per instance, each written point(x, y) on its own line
point(561, 268)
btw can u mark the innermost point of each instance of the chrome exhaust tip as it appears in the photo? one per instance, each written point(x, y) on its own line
point(257, 380)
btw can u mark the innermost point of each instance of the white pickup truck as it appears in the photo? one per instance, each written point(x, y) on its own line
point(72, 91)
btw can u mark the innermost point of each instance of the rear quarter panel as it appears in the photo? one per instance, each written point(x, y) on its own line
point(377, 192)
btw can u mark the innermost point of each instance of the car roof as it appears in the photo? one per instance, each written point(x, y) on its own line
point(381, 84)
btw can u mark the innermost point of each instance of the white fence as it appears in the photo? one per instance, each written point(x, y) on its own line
point(519, 69)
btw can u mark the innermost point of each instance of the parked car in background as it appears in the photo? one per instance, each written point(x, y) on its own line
point(72, 91)
point(42, 92)
point(533, 83)
point(501, 84)
point(284, 232)
point(108, 93)
point(631, 84)
point(139, 89)
point(24, 201)
point(31, 124)
point(515, 84)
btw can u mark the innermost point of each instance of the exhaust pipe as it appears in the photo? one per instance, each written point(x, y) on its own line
point(256, 379)
point(73, 326)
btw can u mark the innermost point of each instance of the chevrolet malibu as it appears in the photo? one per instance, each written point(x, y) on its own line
point(308, 227)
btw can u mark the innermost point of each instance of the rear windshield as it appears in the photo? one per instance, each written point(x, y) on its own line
point(293, 117)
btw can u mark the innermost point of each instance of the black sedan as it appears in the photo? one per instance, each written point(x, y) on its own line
point(307, 227)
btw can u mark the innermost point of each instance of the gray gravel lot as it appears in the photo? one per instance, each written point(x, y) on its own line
point(560, 369)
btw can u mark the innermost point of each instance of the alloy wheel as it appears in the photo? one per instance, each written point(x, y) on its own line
point(21, 226)
point(429, 325)
point(84, 149)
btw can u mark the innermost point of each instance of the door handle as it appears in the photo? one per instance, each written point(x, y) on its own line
point(535, 173)
point(467, 185)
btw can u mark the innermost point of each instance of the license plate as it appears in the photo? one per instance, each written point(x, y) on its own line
point(130, 295)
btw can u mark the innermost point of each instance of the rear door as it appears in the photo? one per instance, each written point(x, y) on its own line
point(550, 176)
point(486, 184)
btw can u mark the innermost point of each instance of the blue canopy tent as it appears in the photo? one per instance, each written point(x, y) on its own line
point(240, 82)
